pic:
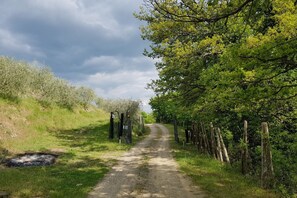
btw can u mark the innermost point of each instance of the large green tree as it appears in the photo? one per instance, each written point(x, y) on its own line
point(227, 61)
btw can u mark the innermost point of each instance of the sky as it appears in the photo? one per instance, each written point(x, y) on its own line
point(93, 43)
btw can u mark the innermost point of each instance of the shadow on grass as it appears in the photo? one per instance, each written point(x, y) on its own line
point(77, 171)
point(217, 179)
point(87, 139)
point(65, 179)
point(78, 168)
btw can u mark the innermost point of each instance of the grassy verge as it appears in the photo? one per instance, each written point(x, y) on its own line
point(216, 179)
point(79, 136)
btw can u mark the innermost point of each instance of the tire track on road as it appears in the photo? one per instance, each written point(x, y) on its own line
point(147, 170)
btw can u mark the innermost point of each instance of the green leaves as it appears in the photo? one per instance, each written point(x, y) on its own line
point(216, 53)
point(225, 61)
point(20, 80)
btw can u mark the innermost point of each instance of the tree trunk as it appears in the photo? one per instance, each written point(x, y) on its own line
point(192, 133)
point(212, 141)
point(187, 135)
point(175, 131)
point(244, 153)
point(111, 126)
point(267, 175)
point(195, 136)
point(129, 131)
point(199, 138)
point(142, 124)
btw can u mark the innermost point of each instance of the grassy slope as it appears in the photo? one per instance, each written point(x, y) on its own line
point(215, 178)
point(80, 136)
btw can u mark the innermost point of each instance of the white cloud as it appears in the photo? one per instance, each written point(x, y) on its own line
point(122, 84)
point(131, 81)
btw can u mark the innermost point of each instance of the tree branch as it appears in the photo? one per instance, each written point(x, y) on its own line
point(194, 19)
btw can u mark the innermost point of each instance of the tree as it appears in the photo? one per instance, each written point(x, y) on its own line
point(85, 96)
point(225, 61)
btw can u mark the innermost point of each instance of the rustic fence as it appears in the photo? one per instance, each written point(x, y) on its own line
point(121, 126)
point(208, 140)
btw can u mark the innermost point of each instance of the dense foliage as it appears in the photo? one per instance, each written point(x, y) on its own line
point(226, 61)
point(148, 117)
point(20, 80)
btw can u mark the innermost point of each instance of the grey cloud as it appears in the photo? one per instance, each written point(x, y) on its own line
point(67, 41)
point(77, 38)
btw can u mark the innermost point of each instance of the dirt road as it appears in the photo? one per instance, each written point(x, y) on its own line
point(147, 170)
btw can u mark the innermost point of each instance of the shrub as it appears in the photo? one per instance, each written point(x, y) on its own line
point(15, 78)
point(19, 80)
point(85, 96)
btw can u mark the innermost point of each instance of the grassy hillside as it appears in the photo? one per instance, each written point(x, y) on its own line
point(29, 126)
point(78, 135)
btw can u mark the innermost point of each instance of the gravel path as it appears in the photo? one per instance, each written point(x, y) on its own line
point(147, 170)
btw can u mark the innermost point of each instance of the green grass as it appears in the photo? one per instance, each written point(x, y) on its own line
point(216, 179)
point(79, 136)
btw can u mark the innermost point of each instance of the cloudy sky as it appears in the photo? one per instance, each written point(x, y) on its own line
point(95, 43)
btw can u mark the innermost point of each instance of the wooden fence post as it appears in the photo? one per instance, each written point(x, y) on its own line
point(219, 147)
point(121, 125)
point(199, 138)
point(142, 125)
point(175, 131)
point(267, 175)
point(196, 136)
point(111, 126)
point(205, 139)
point(244, 152)
point(192, 133)
point(129, 129)
point(212, 141)
point(224, 149)
point(187, 131)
